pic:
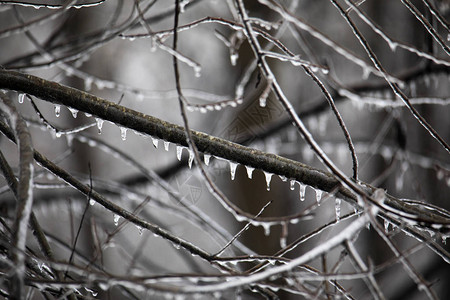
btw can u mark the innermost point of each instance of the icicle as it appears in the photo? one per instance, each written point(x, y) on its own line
point(268, 178)
point(262, 101)
point(21, 98)
point(366, 73)
point(155, 142)
point(198, 71)
point(283, 242)
point(166, 145)
point(386, 226)
point(249, 171)
point(57, 110)
point(368, 225)
point(292, 185)
point(444, 239)
point(191, 158)
point(99, 124)
point(74, 112)
point(88, 84)
point(206, 158)
point(123, 133)
point(179, 152)
point(91, 202)
point(116, 220)
point(183, 4)
point(233, 58)
point(318, 196)
point(337, 207)
point(302, 192)
point(266, 227)
point(140, 229)
point(283, 178)
point(233, 167)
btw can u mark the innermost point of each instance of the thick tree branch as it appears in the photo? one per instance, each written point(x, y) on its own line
point(125, 117)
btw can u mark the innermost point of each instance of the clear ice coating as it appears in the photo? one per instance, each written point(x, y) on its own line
point(166, 145)
point(386, 225)
point(123, 133)
point(302, 192)
point(249, 171)
point(206, 158)
point(179, 152)
point(233, 167)
point(99, 124)
point(268, 178)
point(57, 110)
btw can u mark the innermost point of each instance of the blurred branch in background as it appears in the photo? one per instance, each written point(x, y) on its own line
point(346, 101)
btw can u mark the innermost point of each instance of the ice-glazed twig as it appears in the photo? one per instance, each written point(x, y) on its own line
point(24, 195)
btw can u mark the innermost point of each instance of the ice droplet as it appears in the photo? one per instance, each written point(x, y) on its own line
point(21, 97)
point(268, 178)
point(386, 226)
point(91, 202)
point(179, 152)
point(206, 158)
point(57, 110)
point(191, 158)
point(292, 185)
point(233, 167)
point(58, 134)
point(116, 219)
point(99, 124)
point(302, 192)
point(155, 142)
point(444, 239)
point(74, 112)
point(283, 242)
point(166, 145)
point(337, 207)
point(123, 133)
point(318, 196)
point(249, 171)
